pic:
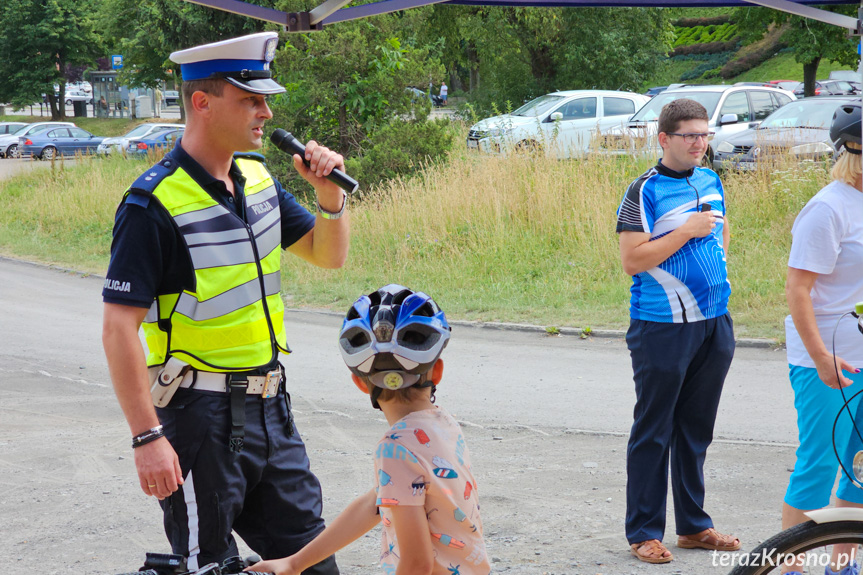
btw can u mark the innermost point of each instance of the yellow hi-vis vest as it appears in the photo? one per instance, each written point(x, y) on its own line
point(232, 319)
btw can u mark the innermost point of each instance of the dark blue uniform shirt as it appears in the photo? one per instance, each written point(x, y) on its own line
point(148, 255)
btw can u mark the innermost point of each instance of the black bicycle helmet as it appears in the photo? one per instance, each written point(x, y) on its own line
point(845, 127)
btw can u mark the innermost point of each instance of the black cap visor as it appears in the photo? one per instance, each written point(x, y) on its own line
point(264, 86)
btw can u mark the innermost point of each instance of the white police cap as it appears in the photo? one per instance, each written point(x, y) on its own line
point(243, 61)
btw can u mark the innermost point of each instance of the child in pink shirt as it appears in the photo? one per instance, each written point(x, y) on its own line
point(425, 494)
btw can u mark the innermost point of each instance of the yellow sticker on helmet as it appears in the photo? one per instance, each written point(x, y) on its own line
point(393, 380)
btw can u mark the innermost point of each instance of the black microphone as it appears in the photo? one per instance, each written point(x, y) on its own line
point(287, 143)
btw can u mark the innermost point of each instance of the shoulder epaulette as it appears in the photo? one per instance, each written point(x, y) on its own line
point(142, 189)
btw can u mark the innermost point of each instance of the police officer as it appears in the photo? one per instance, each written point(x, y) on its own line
point(195, 259)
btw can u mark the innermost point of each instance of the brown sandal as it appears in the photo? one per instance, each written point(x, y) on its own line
point(709, 539)
point(651, 551)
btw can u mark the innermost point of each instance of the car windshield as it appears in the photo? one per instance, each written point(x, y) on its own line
point(139, 131)
point(538, 107)
point(650, 111)
point(790, 85)
point(21, 130)
point(802, 114)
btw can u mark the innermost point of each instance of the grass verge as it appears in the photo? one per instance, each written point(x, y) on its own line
point(523, 238)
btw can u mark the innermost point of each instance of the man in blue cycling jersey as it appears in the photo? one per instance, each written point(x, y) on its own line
point(673, 239)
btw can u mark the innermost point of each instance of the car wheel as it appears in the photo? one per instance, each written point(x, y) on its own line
point(12, 151)
point(48, 153)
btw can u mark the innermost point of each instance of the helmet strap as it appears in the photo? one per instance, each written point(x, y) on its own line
point(852, 151)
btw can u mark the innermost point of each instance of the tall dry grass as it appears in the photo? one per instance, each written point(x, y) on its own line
point(520, 238)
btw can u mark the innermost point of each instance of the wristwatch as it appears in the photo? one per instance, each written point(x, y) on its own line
point(327, 215)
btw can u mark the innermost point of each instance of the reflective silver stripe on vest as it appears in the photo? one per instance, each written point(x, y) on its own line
point(216, 237)
point(269, 240)
point(268, 220)
point(153, 313)
point(199, 215)
point(212, 256)
point(232, 300)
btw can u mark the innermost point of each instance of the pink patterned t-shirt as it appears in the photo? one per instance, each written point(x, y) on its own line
point(423, 461)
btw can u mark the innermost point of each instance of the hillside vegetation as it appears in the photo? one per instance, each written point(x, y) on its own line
point(521, 238)
point(708, 50)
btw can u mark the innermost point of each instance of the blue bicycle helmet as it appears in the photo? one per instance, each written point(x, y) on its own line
point(393, 336)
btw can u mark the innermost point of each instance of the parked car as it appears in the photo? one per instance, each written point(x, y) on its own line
point(171, 97)
point(789, 85)
point(77, 96)
point(799, 91)
point(110, 145)
point(10, 127)
point(416, 93)
point(801, 128)
point(82, 86)
point(837, 88)
point(163, 140)
point(562, 123)
point(651, 92)
point(9, 142)
point(729, 109)
point(63, 141)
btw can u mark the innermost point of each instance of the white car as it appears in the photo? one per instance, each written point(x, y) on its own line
point(9, 142)
point(111, 145)
point(561, 123)
point(730, 110)
point(77, 96)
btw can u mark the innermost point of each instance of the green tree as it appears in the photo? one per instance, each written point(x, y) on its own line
point(165, 26)
point(41, 38)
point(519, 53)
point(348, 84)
point(811, 41)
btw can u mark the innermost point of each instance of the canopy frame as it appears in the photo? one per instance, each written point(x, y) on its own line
point(333, 11)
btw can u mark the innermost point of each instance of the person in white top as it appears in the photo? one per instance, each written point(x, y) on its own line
point(443, 92)
point(824, 282)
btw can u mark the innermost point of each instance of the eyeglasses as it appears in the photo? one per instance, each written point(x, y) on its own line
point(692, 138)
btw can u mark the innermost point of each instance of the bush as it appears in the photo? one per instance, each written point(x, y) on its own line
point(400, 149)
point(751, 60)
point(711, 64)
point(693, 22)
point(704, 34)
point(709, 48)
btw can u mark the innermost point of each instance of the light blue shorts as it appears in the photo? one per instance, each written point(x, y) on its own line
point(817, 405)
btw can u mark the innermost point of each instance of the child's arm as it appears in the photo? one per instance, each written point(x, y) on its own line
point(358, 518)
point(412, 532)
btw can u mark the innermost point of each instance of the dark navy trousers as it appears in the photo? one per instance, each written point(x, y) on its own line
point(266, 493)
point(679, 370)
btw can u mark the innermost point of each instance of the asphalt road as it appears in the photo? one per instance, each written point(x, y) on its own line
point(546, 419)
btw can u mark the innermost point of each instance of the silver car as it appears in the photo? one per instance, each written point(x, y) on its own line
point(111, 145)
point(730, 110)
point(9, 142)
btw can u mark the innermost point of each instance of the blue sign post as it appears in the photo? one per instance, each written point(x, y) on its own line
point(116, 62)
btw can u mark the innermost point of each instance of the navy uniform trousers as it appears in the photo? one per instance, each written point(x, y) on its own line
point(266, 493)
point(679, 370)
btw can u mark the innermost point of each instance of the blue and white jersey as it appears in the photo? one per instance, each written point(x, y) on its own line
point(692, 284)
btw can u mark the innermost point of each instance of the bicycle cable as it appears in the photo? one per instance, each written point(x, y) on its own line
point(845, 406)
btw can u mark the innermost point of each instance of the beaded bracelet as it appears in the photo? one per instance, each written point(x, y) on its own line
point(148, 436)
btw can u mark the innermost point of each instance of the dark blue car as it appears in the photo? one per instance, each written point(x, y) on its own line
point(63, 141)
point(157, 141)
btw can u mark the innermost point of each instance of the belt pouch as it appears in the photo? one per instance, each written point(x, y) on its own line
point(167, 380)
